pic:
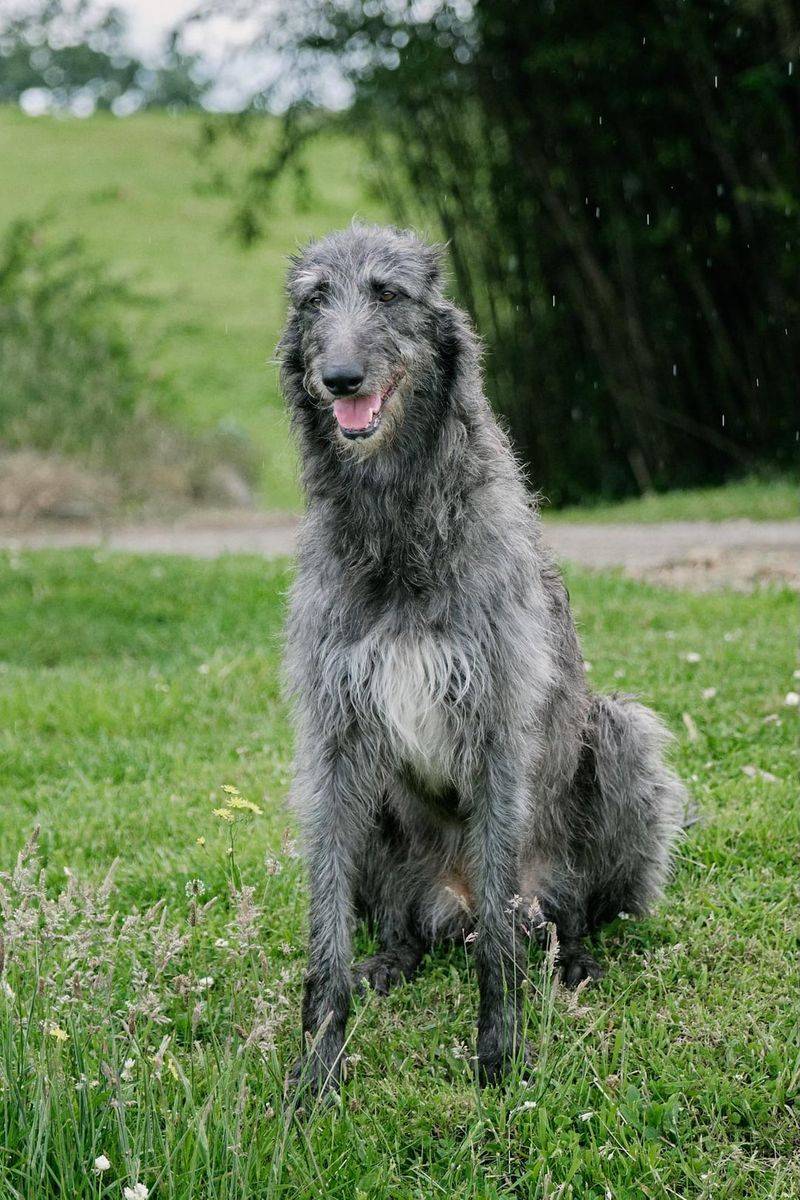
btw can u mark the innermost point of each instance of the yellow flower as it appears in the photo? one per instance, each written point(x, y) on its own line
point(230, 789)
point(224, 814)
point(57, 1032)
point(201, 841)
point(246, 805)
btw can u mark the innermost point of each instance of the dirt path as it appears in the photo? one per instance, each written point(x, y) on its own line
point(697, 554)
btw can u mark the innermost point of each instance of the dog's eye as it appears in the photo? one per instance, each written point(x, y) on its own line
point(315, 301)
point(386, 296)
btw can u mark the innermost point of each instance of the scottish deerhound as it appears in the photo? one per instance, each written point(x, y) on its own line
point(450, 757)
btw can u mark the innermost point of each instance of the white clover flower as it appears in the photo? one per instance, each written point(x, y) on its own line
point(101, 1163)
point(137, 1192)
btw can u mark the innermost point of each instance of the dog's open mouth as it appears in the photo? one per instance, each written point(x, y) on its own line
point(360, 416)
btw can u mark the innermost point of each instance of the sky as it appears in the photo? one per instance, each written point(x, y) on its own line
point(150, 20)
point(225, 44)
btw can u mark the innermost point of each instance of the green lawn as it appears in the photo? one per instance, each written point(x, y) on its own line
point(758, 499)
point(155, 1031)
point(130, 189)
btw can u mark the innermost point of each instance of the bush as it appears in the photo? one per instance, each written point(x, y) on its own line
point(73, 387)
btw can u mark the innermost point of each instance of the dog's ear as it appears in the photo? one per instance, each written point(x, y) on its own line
point(434, 254)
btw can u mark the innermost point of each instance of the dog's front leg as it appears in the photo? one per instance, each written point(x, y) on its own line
point(494, 832)
point(337, 819)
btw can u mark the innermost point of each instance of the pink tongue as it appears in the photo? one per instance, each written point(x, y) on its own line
point(356, 412)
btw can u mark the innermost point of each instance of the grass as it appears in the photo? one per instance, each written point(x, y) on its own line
point(133, 190)
point(152, 1022)
point(754, 498)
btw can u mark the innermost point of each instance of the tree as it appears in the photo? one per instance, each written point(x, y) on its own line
point(77, 57)
point(620, 188)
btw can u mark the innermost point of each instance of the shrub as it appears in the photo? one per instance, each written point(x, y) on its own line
point(73, 386)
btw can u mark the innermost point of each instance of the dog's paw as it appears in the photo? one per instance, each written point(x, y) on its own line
point(381, 973)
point(311, 1078)
point(576, 966)
point(497, 1066)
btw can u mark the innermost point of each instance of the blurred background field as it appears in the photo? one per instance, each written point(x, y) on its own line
point(133, 191)
point(626, 246)
point(209, 309)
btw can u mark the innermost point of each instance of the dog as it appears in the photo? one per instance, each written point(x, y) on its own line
point(452, 764)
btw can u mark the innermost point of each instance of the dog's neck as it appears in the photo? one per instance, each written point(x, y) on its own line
point(394, 519)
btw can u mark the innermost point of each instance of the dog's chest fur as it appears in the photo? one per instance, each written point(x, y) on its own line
point(416, 688)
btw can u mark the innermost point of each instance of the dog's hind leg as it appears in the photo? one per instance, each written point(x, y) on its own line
point(625, 812)
point(388, 899)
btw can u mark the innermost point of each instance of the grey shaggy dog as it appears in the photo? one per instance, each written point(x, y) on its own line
point(453, 769)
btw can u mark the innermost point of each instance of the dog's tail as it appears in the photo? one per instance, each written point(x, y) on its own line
point(637, 810)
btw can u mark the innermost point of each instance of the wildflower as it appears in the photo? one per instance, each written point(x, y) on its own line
point(792, 699)
point(194, 887)
point(709, 693)
point(288, 846)
point(692, 657)
point(201, 841)
point(137, 1192)
point(273, 865)
point(207, 981)
point(230, 789)
point(101, 1163)
point(224, 814)
point(57, 1032)
point(127, 1070)
point(245, 805)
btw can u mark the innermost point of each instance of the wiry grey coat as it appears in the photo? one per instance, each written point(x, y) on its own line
point(450, 757)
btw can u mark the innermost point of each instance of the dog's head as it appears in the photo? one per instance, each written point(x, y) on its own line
point(363, 329)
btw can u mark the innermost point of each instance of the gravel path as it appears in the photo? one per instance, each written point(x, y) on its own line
point(696, 554)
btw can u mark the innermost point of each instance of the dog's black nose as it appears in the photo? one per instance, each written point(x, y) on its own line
point(343, 379)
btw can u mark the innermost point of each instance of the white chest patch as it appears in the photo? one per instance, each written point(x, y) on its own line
point(416, 690)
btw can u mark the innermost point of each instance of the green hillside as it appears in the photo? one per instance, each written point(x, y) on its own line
point(134, 190)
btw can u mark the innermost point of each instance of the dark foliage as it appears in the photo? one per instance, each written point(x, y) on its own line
point(620, 186)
